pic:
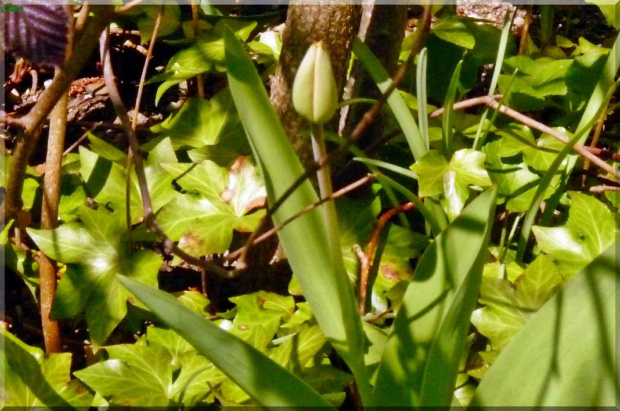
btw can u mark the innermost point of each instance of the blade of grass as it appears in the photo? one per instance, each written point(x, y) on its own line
point(448, 114)
point(325, 285)
point(422, 95)
point(258, 375)
point(420, 362)
point(395, 101)
point(499, 61)
point(388, 166)
point(564, 355)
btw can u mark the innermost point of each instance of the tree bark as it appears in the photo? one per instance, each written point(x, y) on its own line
point(334, 24)
point(382, 29)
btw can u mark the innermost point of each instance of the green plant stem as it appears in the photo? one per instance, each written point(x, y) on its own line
point(325, 189)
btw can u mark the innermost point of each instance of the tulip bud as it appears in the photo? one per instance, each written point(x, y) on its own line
point(315, 95)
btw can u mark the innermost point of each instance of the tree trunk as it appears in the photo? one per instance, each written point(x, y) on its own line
point(333, 24)
point(382, 29)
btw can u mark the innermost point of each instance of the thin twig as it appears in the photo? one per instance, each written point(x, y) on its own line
point(80, 140)
point(200, 81)
point(372, 246)
point(590, 153)
point(134, 123)
point(461, 105)
point(583, 151)
point(595, 137)
point(337, 194)
point(134, 146)
point(358, 131)
point(602, 189)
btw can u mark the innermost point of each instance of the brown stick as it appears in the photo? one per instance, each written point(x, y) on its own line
point(134, 123)
point(138, 162)
point(372, 246)
point(525, 30)
point(589, 153)
point(200, 81)
point(49, 220)
point(597, 134)
point(31, 123)
point(602, 189)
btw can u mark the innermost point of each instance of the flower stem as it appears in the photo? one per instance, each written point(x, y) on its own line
point(325, 189)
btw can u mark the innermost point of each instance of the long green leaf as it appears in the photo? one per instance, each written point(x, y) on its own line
point(395, 100)
point(420, 363)
point(448, 114)
point(422, 96)
point(263, 379)
point(564, 355)
point(499, 61)
point(325, 285)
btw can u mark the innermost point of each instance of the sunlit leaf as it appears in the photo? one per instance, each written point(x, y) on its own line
point(95, 250)
point(590, 229)
point(34, 379)
point(431, 324)
point(564, 355)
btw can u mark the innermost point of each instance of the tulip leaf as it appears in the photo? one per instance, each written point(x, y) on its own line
point(564, 355)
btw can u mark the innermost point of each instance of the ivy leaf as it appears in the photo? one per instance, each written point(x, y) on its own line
point(106, 180)
point(517, 183)
point(590, 229)
point(437, 176)
point(95, 250)
point(261, 310)
point(508, 307)
point(200, 122)
point(430, 170)
point(35, 379)
point(297, 349)
point(204, 223)
point(454, 31)
point(135, 375)
point(205, 178)
point(206, 52)
point(169, 22)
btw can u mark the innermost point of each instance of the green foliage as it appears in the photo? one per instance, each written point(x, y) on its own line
point(452, 179)
point(324, 285)
point(31, 378)
point(589, 230)
point(508, 305)
point(564, 355)
point(203, 220)
point(95, 251)
point(230, 354)
point(433, 320)
point(460, 310)
point(105, 176)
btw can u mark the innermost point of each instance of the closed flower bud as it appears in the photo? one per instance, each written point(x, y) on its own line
point(315, 95)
